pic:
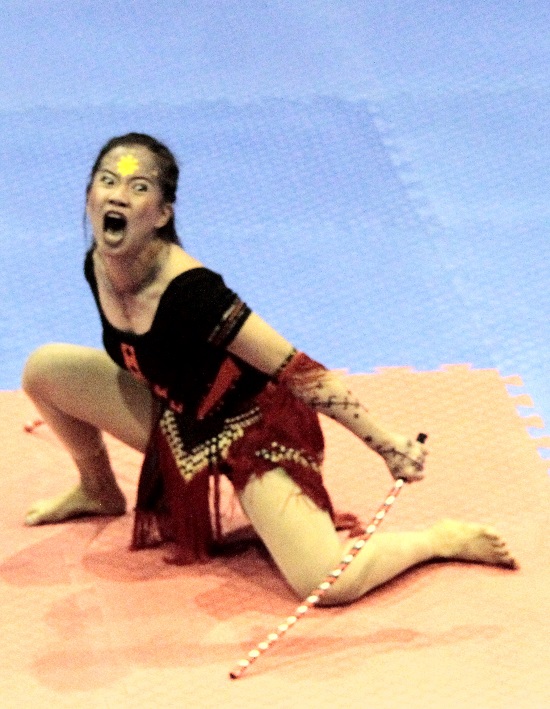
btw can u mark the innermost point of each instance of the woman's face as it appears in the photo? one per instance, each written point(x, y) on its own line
point(125, 203)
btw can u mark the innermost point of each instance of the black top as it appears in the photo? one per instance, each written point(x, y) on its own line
point(183, 355)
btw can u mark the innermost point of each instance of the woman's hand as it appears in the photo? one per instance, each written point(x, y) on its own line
point(404, 457)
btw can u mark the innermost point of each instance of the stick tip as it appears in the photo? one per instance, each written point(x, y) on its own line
point(238, 671)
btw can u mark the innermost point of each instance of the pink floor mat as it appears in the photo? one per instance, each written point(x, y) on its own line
point(87, 623)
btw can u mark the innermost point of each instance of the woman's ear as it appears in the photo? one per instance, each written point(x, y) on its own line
point(167, 212)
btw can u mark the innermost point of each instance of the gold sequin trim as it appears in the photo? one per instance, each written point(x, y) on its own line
point(279, 453)
point(209, 452)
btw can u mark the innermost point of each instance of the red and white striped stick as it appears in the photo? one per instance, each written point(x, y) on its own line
point(316, 595)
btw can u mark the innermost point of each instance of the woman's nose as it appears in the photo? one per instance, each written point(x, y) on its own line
point(118, 201)
point(119, 194)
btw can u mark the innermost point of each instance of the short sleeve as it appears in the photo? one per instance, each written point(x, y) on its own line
point(208, 310)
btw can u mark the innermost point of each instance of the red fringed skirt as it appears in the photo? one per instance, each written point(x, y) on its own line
point(174, 489)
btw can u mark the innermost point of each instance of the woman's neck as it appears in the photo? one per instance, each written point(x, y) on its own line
point(130, 276)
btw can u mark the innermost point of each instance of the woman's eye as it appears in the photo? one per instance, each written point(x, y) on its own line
point(141, 187)
point(106, 180)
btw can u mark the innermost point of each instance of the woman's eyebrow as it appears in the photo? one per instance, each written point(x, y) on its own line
point(132, 177)
point(142, 177)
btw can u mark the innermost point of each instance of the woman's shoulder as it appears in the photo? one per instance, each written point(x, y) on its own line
point(179, 261)
point(185, 270)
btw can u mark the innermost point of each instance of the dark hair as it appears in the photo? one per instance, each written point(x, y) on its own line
point(166, 163)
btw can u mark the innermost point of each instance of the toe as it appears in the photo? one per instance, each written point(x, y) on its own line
point(32, 519)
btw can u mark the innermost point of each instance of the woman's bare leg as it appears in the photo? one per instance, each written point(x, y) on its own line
point(305, 546)
point(80, 392)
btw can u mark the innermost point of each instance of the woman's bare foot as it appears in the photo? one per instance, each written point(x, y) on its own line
point(75, 503)
point(470, 542)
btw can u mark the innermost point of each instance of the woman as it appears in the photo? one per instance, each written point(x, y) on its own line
point(204, 386)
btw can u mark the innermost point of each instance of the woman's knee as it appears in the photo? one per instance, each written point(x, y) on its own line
point(57, 370)
point(72, 385)
point(307, 582)
point(40, 368)
point(341, 595)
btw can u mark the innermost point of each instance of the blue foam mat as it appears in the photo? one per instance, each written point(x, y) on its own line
point(376, 191)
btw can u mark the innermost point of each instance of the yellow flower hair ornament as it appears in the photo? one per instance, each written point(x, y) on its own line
point(127, 165)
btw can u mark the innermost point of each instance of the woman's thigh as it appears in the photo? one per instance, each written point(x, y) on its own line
point(72, 384)
point(300, 537)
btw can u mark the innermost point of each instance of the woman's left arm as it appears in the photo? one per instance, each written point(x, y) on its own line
point(259, 345)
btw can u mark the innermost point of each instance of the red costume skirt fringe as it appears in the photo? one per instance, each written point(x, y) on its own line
point(175, 507)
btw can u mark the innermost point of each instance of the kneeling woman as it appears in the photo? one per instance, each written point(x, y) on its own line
point(203, 386)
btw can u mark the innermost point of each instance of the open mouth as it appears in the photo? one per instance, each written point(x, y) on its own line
point(114, 223)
